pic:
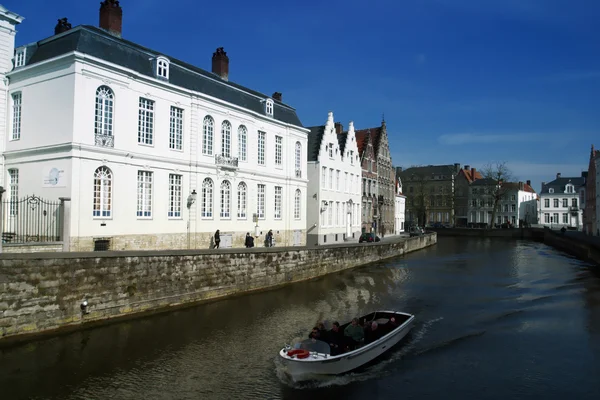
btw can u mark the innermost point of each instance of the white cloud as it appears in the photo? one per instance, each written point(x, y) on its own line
point(453, 139)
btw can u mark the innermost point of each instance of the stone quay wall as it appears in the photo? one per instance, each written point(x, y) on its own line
point(43, 292)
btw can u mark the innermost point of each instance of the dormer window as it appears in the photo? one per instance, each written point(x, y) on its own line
point(162, 68)
point(269, 107)
point(551, 190)
point(20, 57)
point(569, 189)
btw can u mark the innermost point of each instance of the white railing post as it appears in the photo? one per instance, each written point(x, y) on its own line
point(65, 226)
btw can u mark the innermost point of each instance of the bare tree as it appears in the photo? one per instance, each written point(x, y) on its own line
point(497, 174)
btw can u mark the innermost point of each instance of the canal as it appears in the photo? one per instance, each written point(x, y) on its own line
point(497, 319)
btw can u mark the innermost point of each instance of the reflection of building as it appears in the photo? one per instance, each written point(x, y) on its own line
point(430, 194)
point(156, 153)
point(399, 209)
point(334, 173)
point(562, 202)
point(464, 178)
point(590, 211)
point(517, 204)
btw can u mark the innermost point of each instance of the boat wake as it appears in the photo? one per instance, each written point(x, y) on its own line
point(363, 374)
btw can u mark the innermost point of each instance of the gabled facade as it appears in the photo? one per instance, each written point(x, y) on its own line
point(516, 208)
point(562, 202)
point(590, 213)
point(399, 209)
point(334, 170)
point(152, 152)
point(465, 177)
point(368, 162)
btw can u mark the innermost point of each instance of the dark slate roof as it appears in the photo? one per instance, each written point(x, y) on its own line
point(315, 136)
point(484, 182)
point(342, 137)
point(99, 43)
point(429, 170)
point(559, 184)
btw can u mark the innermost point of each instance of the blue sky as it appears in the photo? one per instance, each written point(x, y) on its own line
point(467, 81)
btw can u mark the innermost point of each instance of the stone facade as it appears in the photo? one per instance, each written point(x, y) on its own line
point(464, 178)
point(45, 292)
point(368, 162)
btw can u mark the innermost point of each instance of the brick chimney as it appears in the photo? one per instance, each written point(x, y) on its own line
point(528, 182)
point(111, 17)
point(220, 64)
point(276, 96)
point(467, 167)
point(521, 186)
point(339, 128)
point(473, 170)
point(558, 175)
point(62, 26)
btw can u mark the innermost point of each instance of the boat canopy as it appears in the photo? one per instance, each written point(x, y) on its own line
point(314, 345)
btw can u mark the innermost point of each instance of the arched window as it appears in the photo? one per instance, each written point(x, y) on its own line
point(242, 143)
point(242, 200)
point(225, 199)
point(226, 139)
point(269, 107)
point(207, 198)
point(298, 160)
point(102, 192)
point(104, 116)
point(162, 68)
point(297, 204)
point(207, 137)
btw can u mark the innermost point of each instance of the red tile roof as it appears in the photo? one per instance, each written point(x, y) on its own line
point(471, 174)
point(361, 140)
point(375, 136)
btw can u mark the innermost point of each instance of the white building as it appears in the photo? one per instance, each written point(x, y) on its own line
point(153, 153)
point(562, 202)
point(517, 205)
point(334, 174)
point(399, 208)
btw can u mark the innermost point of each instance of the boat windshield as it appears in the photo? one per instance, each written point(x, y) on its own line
point(314, 345)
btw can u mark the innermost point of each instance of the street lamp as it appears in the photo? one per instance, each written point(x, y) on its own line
point(192, 198)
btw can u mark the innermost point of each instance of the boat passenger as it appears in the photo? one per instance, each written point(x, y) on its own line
point(315, 334)
point(391, 325)
point(354, 332)
point(373, 334)
point(322, 330)
point(336, 339)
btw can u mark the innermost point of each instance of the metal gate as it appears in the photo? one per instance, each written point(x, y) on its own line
point(31, 219)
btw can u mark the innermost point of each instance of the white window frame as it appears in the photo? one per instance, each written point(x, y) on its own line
point(207, 198)
point(226, 139)
point(297, 204)
point(242, 200)
point(13, 191)
point(104, 111)
point(262, 144)
point(269, 105)
point(17, 115)
point(242, 143)
point(225, 211)
point(20, 57)
point(208, 134)
point(162, 67)
point(175, 196)
point(144, 194)
point(176, 129)
point(277, 212)
point(278, 150)
point(331, 178)
point(330, 149)
point(324, 177)
point(298, 159)
point(145, 122)
point(260, 200)
point(337, 180)
point(103, 186)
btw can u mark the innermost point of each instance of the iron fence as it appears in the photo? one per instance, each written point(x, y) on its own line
point(30, 219)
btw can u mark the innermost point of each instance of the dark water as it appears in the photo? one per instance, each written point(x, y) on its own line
point(496, 320)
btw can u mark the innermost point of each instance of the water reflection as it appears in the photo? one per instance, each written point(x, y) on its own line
point(489, 312)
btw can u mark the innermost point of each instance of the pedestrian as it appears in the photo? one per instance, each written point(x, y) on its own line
point(270, 238)
point(249, 241)
point(217, 239)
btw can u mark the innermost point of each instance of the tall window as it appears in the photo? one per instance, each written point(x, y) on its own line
point(337, 213)
point(242, 200)
point(162, 68)
point(330, 214)
point(16, 117)
point(242, 143)
point(145, 121)
point(226, 139)
point(261, 147)
point(330, 147)
point(144, 194)
point(176, 131)
point(225, 199)
point(324, 177)
point(175, 189)
point(337, 180)
point(13, 177)
point(260, 201)
point(330, 178)
point(20, 57)
point(298, 157)
point(278, 149)
point(208, 128)
point(207, 198)
point(297, 204)
point(104, 111)
point(278, 202)
point(346, 187)
point(102, 192)
point(269, 107)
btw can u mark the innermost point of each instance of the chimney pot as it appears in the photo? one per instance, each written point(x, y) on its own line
point(62, 26)
point(277, 96)
point(467, 167)
point(473, 170)
point(111, 17)
point(558, 175)
point(220, 64)
point(528, 182)
point(339, 127)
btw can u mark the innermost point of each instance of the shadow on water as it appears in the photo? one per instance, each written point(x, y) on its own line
point(487, 313)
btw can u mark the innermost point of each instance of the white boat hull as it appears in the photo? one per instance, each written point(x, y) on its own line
point(323, 364)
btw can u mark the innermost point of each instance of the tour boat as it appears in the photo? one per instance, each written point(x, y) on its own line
point(313, 357)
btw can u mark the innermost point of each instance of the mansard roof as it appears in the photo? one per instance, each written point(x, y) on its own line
point(98, 43)
point(430, 170)
point(559, 184)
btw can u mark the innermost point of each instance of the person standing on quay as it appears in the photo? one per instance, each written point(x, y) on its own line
point(217, 239)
